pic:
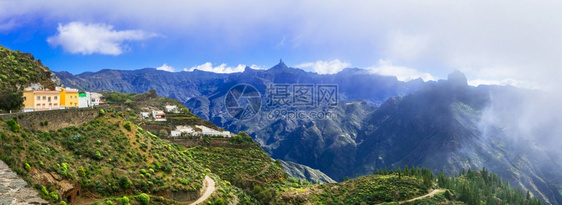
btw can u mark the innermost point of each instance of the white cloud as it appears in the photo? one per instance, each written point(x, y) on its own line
point(86, 39)
point(512, 82)
point(222, 68)
point(438, 36)
point(166, 67)
point(325, 67)
point(402, 73)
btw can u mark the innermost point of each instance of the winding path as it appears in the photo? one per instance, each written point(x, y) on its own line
point(435, 191)
point(210, 188)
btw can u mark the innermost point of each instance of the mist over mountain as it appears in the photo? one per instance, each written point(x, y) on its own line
point(378, 122)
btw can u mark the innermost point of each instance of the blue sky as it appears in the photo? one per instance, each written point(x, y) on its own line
point(499, 42)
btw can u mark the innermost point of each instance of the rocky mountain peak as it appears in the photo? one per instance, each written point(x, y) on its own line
point(457, 78)
point(280, 66)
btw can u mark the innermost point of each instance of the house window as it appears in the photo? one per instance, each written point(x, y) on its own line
point(38, 98)
point(49, 99)
point(38, 106)
point(44, 98)
point(56, 97)
point(24, 98)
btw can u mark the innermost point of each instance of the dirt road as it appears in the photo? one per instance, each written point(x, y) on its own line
point(208, 191)
point(435, 191)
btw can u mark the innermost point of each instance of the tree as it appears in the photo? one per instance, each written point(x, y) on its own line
point(11, 99)
point(143, 199)
point(124, 182)
point(14, 126)
point(163, 133)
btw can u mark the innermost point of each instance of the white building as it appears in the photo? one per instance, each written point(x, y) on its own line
point(84, 100)
point(174, 133)
point(158, 115)
point(144, 115)
point(211, 132)
point(172, 109)
point(95, 99)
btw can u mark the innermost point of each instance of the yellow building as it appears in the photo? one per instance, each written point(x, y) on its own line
point(68, 97)
point(41, 100)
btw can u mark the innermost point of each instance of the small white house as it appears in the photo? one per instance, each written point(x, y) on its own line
point(84, 100)
point(175, 133)
point(145, 115)
point(211, 132)
point(172, 108)
point(158, 115)
point(95, 99)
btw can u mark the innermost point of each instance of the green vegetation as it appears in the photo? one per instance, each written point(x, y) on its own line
point(478, 187)
point(14, 126)
point(397, 187)
point(104, 169)
point(17, 71)
point(244, 167)
point(143, 198)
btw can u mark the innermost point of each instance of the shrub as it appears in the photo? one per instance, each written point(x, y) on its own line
point(13, 125)
point(102, 112)
point(62, 203)
point(163, 133)
point(54, 196)
point(125, 200)
point(124, 182)
point(108, 202)
point(98, 155)
point(81, 172)
point(143, 199)
point(27, 167)
point(44, 191)
point(127, 126)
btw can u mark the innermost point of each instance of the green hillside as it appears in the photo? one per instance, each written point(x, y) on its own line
point(17, 71)
point(410, 186)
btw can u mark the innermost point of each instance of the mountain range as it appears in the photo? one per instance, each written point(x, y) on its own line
point(376, 122)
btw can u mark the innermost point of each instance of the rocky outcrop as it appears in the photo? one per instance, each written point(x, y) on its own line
point(304, 172)
point(14, 190)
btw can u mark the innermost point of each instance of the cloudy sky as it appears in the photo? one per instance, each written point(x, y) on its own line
point(501, 42)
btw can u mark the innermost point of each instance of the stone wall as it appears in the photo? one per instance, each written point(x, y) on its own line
point(56, 119)
point(14, 190)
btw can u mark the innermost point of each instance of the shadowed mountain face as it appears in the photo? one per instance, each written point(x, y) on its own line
point(378, 122)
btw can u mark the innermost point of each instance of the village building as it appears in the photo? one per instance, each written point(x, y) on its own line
point(35, 100)
point(171, 109)
point(95, 99)
point(158, 115)
point(84, 99)
point(204, 131)
point(174, 133)
point(144, 115)
point(68, 97)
